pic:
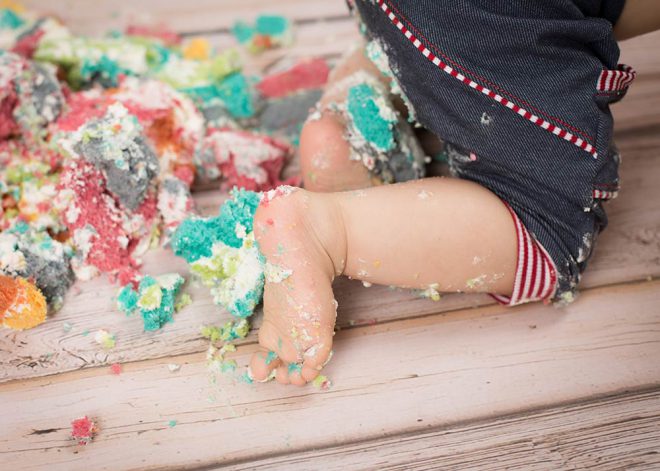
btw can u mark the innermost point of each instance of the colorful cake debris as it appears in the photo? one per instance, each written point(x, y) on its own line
point(101, 139)
point(28, 254)
point(155, 299)
point(30, 97)
point(223, 254)
point(114, 145)
point(21, 32)
point(83, 430)
point(376, 52)
point(105, 339)
point(267, 32)
point(22, 306)
point(230, 330)
point(244, 159)
point(384, 143)
point(28, 185)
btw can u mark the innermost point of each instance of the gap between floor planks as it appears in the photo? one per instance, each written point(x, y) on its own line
point(442, 369)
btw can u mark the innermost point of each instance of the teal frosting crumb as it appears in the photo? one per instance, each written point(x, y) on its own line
point(237, 94)
point(240, 209)
point(9, 19)
point(265, 25)
point(242, 31)
point(155, 299)
point(103, 70)
point(194, 238)
point(367, 118)
point(271, 25)
point(223, 254)
point(127, 299)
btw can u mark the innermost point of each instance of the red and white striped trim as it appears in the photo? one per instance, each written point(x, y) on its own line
point(540, 122)
point(615, 80)
point(536, 275)
point(604, 194)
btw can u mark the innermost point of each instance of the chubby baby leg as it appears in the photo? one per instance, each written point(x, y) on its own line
point(438, 234)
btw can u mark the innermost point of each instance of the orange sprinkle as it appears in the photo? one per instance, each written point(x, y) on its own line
point(23, 305)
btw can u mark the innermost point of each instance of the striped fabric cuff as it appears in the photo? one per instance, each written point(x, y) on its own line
point(536, 275)
point(616, 80)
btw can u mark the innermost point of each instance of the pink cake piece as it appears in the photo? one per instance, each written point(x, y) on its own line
point(246, 160)
point(305, 75)
point(83, 430)
point(27, 44)
point(8, 101)
point(105, 234)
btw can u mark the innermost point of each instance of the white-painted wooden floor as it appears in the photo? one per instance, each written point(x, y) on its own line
point(457, 384)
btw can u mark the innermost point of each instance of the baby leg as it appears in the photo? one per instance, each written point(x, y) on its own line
point(437, 233)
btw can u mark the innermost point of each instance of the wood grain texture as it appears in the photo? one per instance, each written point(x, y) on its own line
point(443, 369)
point(616, 433)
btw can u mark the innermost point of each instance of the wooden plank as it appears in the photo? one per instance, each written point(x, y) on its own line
point(620, 432)
point(627, 250)
point(95, 18)
point(401, 377)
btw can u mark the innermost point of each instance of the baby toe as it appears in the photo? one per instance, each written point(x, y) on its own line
point(263, 362)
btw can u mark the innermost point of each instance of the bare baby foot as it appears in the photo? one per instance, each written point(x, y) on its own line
point(299, 233)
